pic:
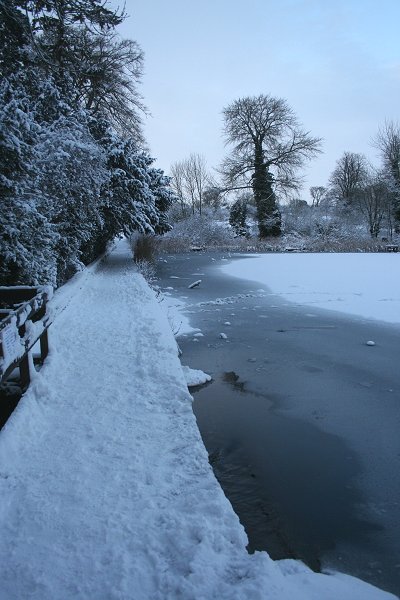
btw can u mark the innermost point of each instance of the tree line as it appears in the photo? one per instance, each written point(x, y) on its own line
point(74, 170)
point(356, 186)
point(268, 148)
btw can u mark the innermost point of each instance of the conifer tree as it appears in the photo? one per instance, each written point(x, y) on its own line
point(237, 217)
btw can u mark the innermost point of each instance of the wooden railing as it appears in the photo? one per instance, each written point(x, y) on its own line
point(24, 321)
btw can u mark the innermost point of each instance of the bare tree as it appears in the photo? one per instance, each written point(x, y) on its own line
point(317, 193)
point(213, 196)
point(178, 183)
point(190, 181)
point(107, 71)
point(349, 177)
point(374, 201)
point(388, 143)
point(269, 146)
point(75, 40)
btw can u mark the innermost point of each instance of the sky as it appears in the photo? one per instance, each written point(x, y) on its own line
point(336, 62)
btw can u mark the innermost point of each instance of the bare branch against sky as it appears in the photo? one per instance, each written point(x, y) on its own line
point(337, 63)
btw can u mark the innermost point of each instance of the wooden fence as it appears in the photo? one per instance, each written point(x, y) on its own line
point(24, 321)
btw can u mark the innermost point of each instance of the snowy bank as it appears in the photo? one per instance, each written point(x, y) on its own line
point(195, 377)
point(363, 284)
point(105, 486)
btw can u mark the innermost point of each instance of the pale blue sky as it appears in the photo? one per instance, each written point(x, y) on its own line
point(337, 63)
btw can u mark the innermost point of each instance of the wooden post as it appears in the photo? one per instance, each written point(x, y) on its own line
point(24, 372)
point(44, 345)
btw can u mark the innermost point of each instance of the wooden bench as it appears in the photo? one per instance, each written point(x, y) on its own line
point(392, 248)
point(24, 321)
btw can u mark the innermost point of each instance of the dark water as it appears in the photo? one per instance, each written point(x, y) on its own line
point(290, 484)
point(301, 421)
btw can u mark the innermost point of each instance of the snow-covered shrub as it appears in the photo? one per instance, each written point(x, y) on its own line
point(148, 270)
point(170, 244)
point(205, 231)
point(296, 217)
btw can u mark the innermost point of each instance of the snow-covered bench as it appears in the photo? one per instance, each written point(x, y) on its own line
point(24, 320)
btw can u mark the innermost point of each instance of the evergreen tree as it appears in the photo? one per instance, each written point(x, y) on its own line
point(69, 181)
point(136, 196)
point(14, 38)
point(164, 198)
point(237, 217)
point(71, 174)
point(26, 236)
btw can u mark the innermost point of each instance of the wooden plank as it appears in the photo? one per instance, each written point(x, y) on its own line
point(34, 309)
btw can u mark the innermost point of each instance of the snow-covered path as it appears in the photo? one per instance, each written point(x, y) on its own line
point(105, 487)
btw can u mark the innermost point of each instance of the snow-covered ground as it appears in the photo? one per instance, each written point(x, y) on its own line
point(105, 487)
point(359, 284)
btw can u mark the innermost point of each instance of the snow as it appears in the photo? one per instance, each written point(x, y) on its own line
point(195, 376)
point(362, 284)
point(178, 321)
point(105, 486)
point(194, 284)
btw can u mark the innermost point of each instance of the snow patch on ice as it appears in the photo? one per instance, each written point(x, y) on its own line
point(179, 322)
point(358, 284)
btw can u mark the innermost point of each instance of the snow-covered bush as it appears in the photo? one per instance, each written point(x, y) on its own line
point(148, 270)
point(206, 231)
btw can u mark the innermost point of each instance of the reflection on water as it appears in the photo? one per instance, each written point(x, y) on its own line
point(291, 485)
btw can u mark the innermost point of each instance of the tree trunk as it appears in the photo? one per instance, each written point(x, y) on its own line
point(268, 214)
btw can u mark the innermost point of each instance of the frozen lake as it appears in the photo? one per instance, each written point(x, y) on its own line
point(301, 421)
